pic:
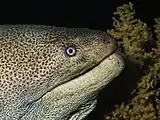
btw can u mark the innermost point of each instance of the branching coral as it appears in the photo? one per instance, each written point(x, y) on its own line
point(133, 35)
point(133, 32)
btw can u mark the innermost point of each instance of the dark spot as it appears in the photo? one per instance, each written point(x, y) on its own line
point(36, 57)
point(27, 83)
point(2, 61)
point(41, 83)
point(29, 60)
point(32, 68)
point(36, 76)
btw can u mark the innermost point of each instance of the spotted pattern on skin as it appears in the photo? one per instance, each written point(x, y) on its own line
point(32, 60)
point(19, 72)
point(23, 63)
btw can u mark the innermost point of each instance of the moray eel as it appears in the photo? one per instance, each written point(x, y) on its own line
point(54, 73)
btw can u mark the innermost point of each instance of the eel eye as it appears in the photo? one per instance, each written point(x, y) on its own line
point(70, 51)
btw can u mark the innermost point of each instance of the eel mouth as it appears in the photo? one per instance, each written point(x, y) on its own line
point(115, 55)
point(115, 52)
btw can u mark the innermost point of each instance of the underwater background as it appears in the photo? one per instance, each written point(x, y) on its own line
point(135, 94)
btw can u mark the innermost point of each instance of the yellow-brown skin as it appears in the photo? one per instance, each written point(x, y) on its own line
point(75, 99)
point(33, 62)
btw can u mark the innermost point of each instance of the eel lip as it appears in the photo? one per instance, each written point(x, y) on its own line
point(121, 59)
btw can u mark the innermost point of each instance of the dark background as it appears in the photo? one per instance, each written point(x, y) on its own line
point(92, 14)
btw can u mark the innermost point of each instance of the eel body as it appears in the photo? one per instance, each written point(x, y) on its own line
point(53, 73)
